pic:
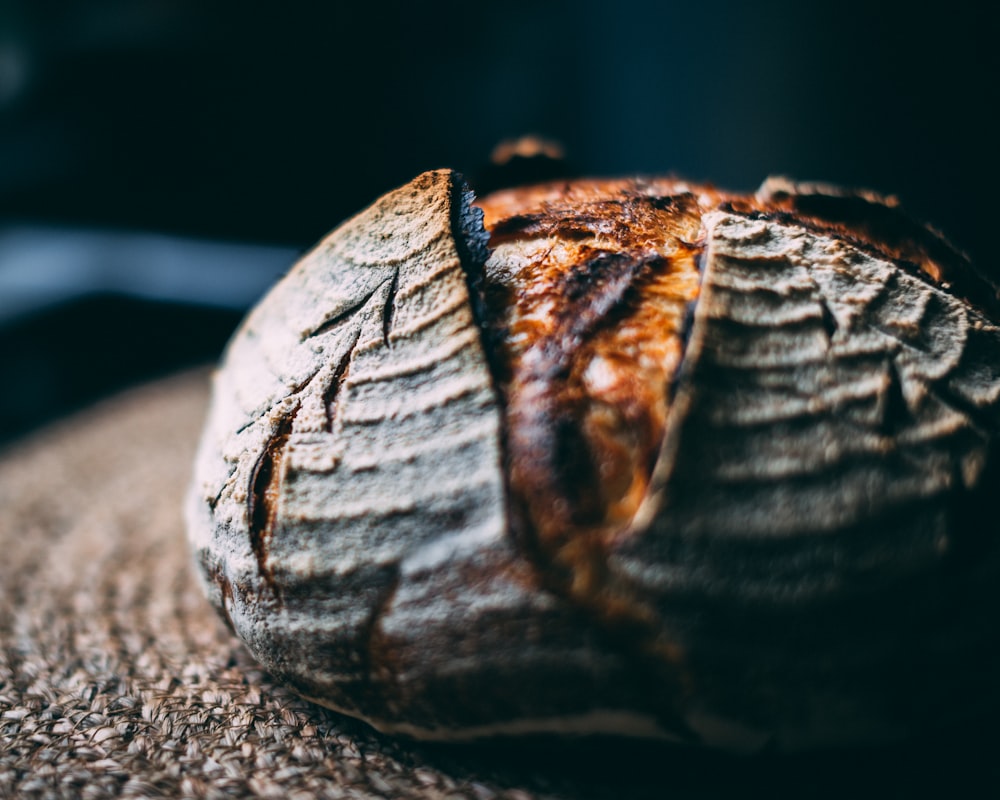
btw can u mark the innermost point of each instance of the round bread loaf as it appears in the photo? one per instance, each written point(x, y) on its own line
point(616, 456)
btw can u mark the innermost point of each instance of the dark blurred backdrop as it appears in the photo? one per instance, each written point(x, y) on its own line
point(267, 123)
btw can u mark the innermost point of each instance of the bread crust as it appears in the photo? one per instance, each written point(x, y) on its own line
point(667, 461)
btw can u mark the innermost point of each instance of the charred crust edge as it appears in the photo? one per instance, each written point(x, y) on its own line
point(261, 508)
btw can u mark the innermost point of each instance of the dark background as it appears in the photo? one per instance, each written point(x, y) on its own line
point(267, 123)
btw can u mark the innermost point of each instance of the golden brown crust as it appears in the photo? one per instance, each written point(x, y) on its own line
point(588, 286)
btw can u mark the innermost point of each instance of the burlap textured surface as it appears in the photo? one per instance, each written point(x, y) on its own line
point(118, 680)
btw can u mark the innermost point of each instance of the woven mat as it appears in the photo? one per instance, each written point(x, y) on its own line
point(118, 680)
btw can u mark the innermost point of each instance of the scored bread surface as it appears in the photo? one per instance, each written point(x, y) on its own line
point(664, 461)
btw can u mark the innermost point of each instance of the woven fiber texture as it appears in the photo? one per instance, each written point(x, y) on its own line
point(118, 680)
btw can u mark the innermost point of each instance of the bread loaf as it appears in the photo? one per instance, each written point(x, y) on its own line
point(616, 456)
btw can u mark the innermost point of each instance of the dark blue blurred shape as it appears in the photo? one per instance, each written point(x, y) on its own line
point(84, 312)
point(42, 267)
